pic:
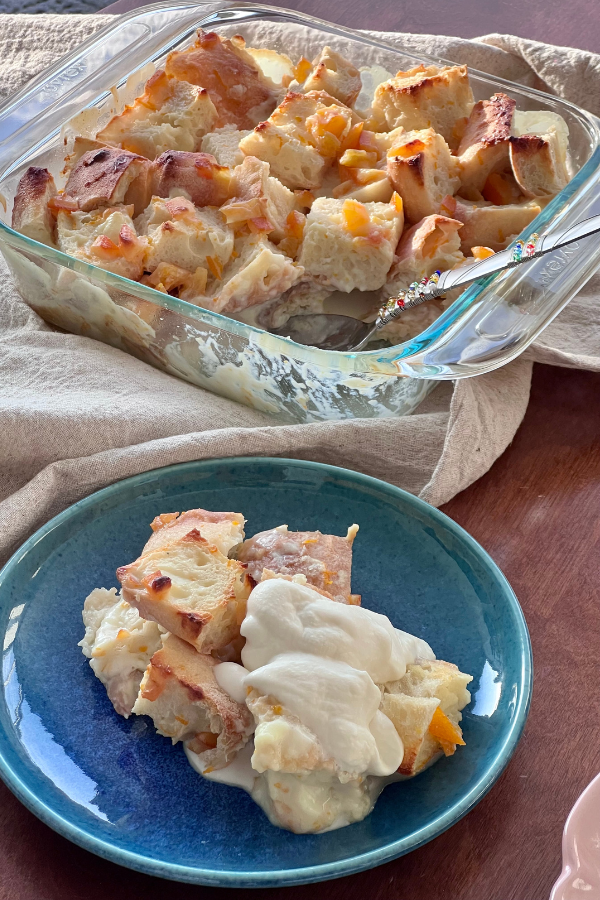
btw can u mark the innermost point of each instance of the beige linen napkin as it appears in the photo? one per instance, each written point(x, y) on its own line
point(76, 415)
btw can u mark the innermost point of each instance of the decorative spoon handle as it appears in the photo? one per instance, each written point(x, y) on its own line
point(437, 284)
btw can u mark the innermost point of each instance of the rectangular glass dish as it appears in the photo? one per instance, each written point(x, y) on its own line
point(491, 323)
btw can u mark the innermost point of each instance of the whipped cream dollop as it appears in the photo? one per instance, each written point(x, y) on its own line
point(286, 617)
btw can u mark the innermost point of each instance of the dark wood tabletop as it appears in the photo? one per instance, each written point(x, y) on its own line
point(537, 513)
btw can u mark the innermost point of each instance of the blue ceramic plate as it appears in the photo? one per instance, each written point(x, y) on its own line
point(120, 790)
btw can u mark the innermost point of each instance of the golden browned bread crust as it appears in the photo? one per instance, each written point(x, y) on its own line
point(109, 177)
point(181, 694)
point(224, 529)
point(191, 589)
point(484, 146)
point(240, 92)
point(198, 174)
point(30, 214)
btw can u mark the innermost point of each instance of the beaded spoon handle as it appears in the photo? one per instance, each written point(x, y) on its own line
point(336, 332)
point(439, 283)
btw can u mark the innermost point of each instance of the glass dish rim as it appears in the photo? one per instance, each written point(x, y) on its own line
point(323, 871)
point(381, 361)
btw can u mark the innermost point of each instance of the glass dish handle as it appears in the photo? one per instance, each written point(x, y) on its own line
point(28, 119)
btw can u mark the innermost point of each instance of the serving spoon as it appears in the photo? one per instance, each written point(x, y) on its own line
point(334, 332)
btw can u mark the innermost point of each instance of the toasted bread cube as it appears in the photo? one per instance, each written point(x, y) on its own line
point(224, 145)
point(169, 115)
point(223, 529)
point(484, 146)
point(103, 237)
point(258, 198)
point(119, 645)
point(335, 74)
point(196, 176)
point(301, 137)
point(31, 215)
point(487, 225)
point(242, 95)
point(315, 118)
point(109, 177)
point(423, 171)
point(304, 298)
point(411, 704)
point(180, 234)
point(538, 165)
point(425, 97)
point(325, 559)
point(296, 165)
point(350, 245)
point(433, 243)
point(257, 272)
point(180, 693)
point(542, 122)
point(191, 589)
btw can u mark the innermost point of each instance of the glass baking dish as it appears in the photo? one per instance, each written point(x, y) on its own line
point(491, 322)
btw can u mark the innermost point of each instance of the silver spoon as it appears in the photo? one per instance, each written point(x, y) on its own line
point(333, 332)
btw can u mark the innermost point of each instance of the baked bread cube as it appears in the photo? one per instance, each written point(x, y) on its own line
point(350, 245)
point(537, 164)
point(542, 122)
point(425, 709)
point(301, 137)
point(425, 97)
point(257, 272)
point(487, 225)
point(31, 215)
point(224, 145)
point(304, 298)
point(296, 165)
point(196, 176)
point(179, 233)
point(109, 177)
point(336, 75)
point(169, 115)
point(191, 589)
point(223, 529)
point(119, 645)
point(484, 146)
point(433, 243)
point(103, 237)
point(258, 200)
point(325, 559)
point(181, 695)
point(423, 171)
point(242, 95)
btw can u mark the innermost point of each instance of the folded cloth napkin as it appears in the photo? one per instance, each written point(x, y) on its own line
point(76, 415)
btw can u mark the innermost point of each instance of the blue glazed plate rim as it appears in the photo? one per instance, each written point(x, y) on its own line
point(307, 874)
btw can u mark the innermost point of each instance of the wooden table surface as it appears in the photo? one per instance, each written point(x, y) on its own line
point(536, 513)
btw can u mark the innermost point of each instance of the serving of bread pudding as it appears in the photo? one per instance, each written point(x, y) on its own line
point(259, 196)
point(256, 656)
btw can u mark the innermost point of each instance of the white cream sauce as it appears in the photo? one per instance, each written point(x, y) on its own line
point(323, 662)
